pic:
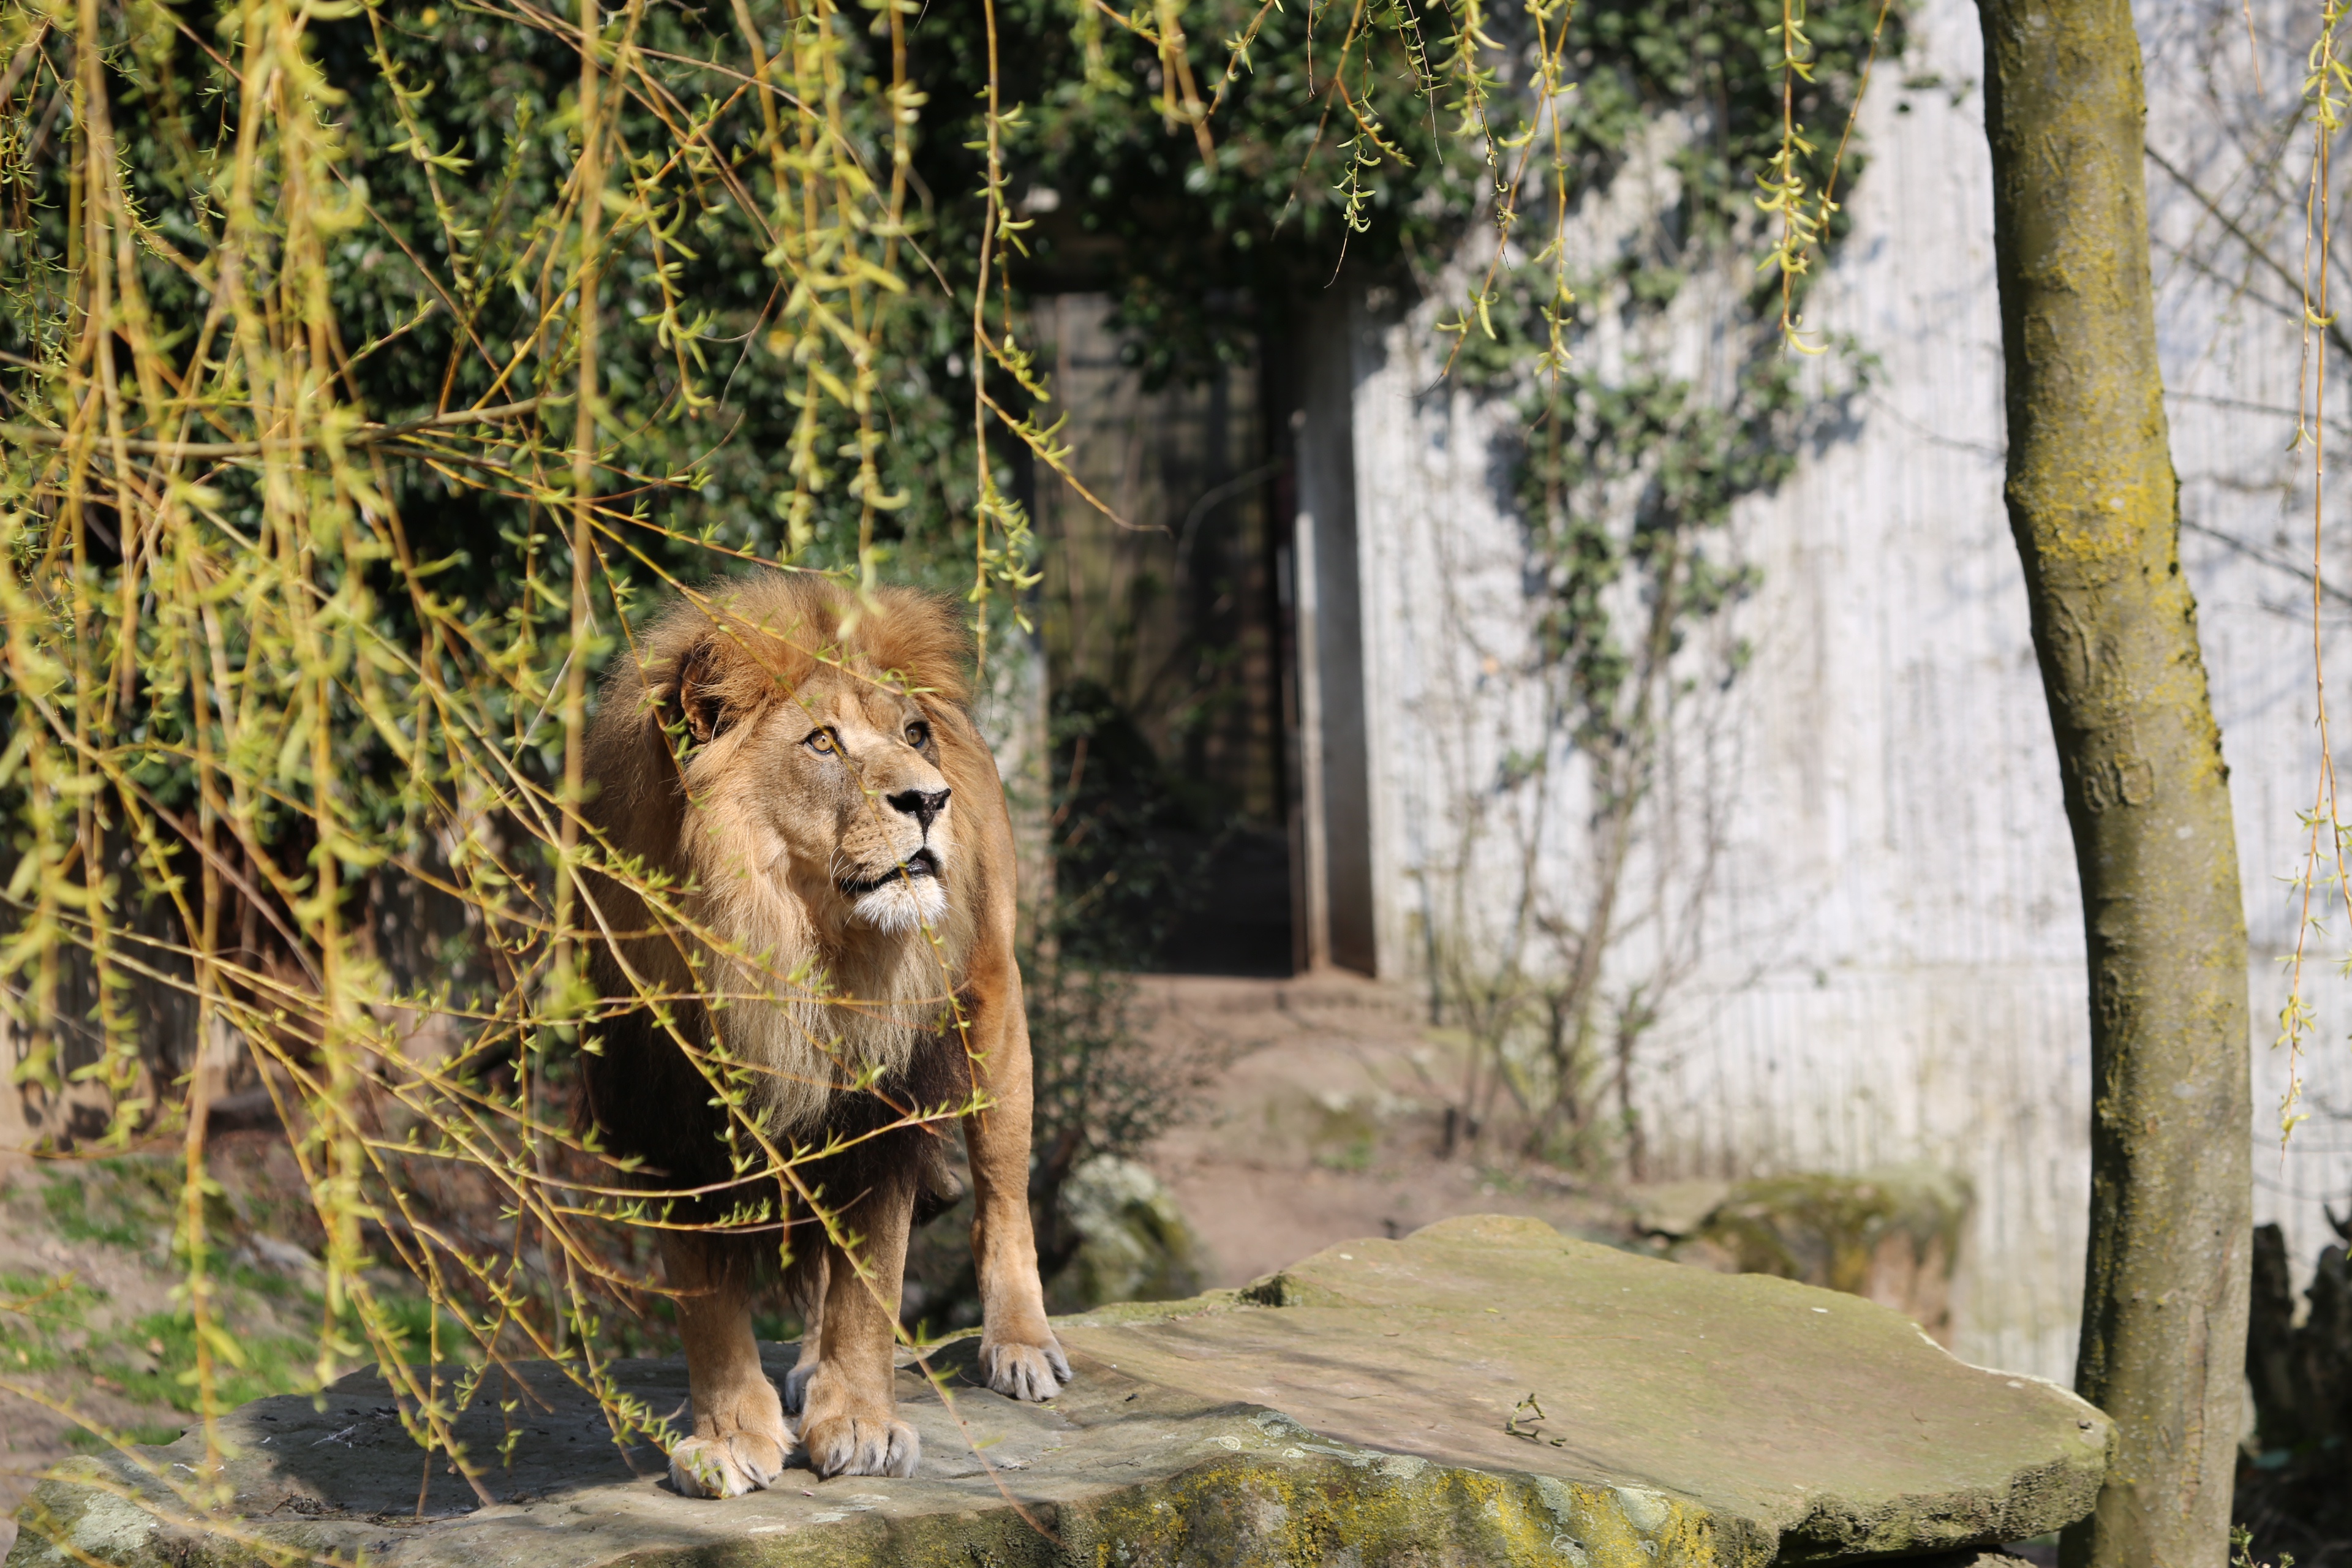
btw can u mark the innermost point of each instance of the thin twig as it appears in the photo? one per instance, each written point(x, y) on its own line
point(365, 435)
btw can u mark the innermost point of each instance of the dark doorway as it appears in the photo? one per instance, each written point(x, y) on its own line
point(1164, 659)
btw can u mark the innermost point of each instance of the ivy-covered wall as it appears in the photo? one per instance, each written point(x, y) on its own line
point(1847, 933)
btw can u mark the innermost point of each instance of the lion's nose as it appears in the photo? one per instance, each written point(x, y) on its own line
point(923, 804)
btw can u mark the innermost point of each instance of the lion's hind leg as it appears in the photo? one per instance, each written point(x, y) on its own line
point(740, 1443)
point(812, 1336)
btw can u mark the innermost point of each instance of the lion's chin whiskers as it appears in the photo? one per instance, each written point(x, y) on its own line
point(901, 905)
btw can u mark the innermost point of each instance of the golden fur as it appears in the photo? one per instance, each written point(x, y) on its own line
point(798, 769)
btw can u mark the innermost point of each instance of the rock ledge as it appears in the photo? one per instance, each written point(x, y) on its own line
point(1376, 1403)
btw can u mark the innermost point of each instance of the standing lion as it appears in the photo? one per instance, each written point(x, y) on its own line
point(797, 767)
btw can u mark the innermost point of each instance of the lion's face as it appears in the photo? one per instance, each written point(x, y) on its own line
point(845, 776)
point(833, 788)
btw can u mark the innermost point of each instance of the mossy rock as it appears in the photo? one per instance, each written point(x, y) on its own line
point(1892, 1236)
point(1485, 1391)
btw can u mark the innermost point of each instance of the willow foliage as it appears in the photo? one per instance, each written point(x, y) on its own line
point(368, 367)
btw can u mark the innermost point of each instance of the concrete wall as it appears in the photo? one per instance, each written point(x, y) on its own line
point(1860, 883)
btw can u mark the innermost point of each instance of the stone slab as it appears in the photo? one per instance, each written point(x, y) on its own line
point(1365, 1407)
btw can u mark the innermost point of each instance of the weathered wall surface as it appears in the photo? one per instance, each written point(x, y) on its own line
point(1864, 897)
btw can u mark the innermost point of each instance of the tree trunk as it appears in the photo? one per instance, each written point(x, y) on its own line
point(2096, 509)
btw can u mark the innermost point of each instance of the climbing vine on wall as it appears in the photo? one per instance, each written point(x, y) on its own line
point(1680, 395)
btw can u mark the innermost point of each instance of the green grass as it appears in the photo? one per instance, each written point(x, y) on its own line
point(152, 1433)
point(133, 1203)
point(275, 1363)
point(262, 1281)
point(76, 1218)
point(40, 1307)
point(123, 1203)
point(778, 1327)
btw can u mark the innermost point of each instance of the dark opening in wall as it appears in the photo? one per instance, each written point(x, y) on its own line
point(1163, 654)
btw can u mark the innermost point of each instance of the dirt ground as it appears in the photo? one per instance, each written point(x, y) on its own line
point(1326, 1125)
point(87, 1269)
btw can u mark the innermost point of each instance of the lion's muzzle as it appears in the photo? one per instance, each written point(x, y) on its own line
point(901, 898)
point(922, 863)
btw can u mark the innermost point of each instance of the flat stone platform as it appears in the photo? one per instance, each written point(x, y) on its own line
point(1375, 1405)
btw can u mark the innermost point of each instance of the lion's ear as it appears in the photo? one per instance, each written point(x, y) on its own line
point(687, 695)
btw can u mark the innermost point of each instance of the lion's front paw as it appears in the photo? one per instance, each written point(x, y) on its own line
point(1025, 1371)
point(741, 1462)
point(861, 1446)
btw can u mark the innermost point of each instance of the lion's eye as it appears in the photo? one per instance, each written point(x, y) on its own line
point(820, 742)
point(919, 734)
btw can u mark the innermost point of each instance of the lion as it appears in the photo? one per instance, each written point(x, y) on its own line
point(800, 763)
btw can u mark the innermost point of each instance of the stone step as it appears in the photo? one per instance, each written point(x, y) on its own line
point(1484, 1391)
point(1334, 993)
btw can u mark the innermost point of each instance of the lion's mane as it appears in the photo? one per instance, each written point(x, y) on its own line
point(809, 1002)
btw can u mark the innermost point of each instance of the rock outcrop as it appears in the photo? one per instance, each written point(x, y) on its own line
point(1485, 1390)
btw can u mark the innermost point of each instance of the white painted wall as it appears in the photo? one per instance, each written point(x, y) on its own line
point(1888, 948)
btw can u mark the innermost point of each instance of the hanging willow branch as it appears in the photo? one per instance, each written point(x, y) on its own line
point(369, 372)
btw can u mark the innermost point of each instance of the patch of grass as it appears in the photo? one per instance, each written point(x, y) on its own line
point(777, 1327)
point(274, 1363)
point(1348, 1138)
point(153, 1434)
point(47, 1295)
point(261, 1281)
point(75, 1218)
point(32, 1309)
point(121, 1202)
point(412, 1315)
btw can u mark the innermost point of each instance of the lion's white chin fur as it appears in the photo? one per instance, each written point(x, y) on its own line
point(902, 905)
point(815, 1012)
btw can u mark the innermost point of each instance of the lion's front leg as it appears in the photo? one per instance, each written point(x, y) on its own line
point(849, 1404)
point(1018, 1352)
point(740, 1443)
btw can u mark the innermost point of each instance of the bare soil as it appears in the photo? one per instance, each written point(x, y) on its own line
point(92, 1333)
point(1327, 1122)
